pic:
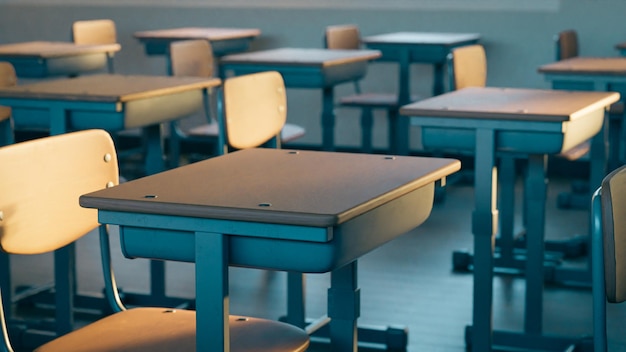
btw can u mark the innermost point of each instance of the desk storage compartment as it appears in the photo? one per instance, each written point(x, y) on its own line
point(58, 66)
point(350, 240)
point(529, 142)
point(114, 116)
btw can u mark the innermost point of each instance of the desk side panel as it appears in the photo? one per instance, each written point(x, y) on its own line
point(350, 240)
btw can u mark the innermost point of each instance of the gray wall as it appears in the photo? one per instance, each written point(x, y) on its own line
point(517, 42)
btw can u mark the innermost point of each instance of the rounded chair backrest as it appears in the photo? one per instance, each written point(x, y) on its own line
point(342, 37)
point(40, 183)
point(192, 58)
point(468, 66)
point(255, 109)
point(614, 234)
point(8, 78)
point(94, 32)
point(566, 45)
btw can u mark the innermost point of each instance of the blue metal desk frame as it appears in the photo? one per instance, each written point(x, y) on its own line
point(228, 226)
point(40, 59)
point(306, 68)
point(108, 107)
point(406, 48)
point(480, 336)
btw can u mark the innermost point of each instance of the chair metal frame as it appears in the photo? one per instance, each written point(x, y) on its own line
point(347, 37)
point(35, 218)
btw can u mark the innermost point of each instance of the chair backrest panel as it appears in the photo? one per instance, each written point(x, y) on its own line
point(8, 77)
point(614, 233)
point(94, 32)
point(566, 45)
point(255, 108)
point(40, 183)
point(468, 67)
point(343, 37)
point(192, 58)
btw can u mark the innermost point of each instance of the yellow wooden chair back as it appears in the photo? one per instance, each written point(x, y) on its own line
point(255, 108)
point(40, 183)
point(94, 32)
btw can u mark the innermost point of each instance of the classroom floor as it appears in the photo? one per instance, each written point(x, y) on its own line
point(407, 282)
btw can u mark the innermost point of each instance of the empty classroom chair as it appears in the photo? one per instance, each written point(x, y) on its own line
point(253, 111)
point(195, 58)
point(348, 37)
point(39, 212)
point(100, 31)
point(608, 242)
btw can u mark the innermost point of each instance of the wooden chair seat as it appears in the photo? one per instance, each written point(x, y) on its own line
point(289, 132)
point(373, 100)
point(167, 330)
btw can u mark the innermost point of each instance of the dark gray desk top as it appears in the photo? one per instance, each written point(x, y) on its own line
point(301, 57)
point(587, 66)
point(304, 188)
point(107, 88)
point(46, 50)
point(512, 104)
point(209, 33)
point(422, 38)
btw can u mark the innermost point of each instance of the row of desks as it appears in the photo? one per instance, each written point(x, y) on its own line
point(490, 121)
point(316, 69)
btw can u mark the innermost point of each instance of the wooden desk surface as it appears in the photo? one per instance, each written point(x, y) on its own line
point(208, 33)
point(301, 57)
point(512, 104)
point(54, 49)
point(424, 38)
point(304, 188)
point(107, 88)
point(587, 65)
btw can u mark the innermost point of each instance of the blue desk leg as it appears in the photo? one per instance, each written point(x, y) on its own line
point(212, 292)
point(328, 118)
point(402, 125)
point(344, 302)
point(64, 258)
point(296, 303)
point(484, 224)
point(438, 78)
point(536, 192)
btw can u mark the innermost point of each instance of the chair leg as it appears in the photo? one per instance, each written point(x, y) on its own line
point(398, 133)
point(367, 124)
point(597, 267)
